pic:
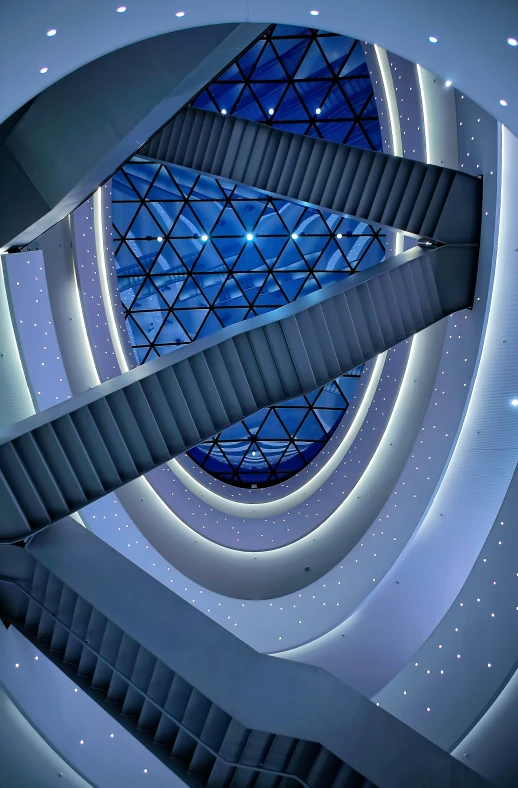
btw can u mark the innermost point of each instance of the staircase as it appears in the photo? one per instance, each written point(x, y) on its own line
point(214, 710)
point(63, 458)
point(378, 188)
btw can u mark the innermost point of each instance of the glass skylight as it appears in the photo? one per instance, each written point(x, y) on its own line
point(195, 254)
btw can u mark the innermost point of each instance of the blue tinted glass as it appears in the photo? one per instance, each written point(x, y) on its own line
point(186, 268)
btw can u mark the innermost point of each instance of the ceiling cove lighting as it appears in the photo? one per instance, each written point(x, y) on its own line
point(432, 39)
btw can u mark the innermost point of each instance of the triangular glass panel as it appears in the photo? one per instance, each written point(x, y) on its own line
point(309, 287)
point(226, 95)
point(165, 213)
point(125, 213)
point(185, 179)
point(250, 212)
point(271, 247)
point(291, 213)
point(208, 259)
point(228, 224)
point(205, 101)
point(272, 428)
point(268, 65)
point(248, 107)
point(292, 461)
point(139, 337)
point(230, 295)
point(314, 94)
point(253, 422)
point(190, 296)
point(210, 326)
point(249, 259)
point(141, 175)
point(191, 320)
point(291, 107)
point(313, 65)
point(355, 63)
point(169, 286)
point(336, 50)
point(123, 189)
point(272, 299)
point(309, 450)
point(249, 58)
point(164, 187)
point(291, 52)
point(291, 417)
point(210, 285)
point(250, 283)
point(127, 261)
point(187, 224)
point(271, 224)
point(268, 96)
point(273, 451)
point(359, 93)
point(144, 225)
point(253, 459)
point(231, 315)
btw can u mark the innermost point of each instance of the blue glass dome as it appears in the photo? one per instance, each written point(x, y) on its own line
point(195, 253)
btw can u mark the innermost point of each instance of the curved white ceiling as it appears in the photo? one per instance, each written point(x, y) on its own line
point(471, 48)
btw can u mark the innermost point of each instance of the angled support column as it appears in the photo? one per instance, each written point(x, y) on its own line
point(418, 199)
point(65, 457)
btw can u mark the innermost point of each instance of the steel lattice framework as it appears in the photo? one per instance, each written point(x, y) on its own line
point(195, 254)
point(302, 80)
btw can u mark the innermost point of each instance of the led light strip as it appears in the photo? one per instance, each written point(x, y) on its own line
point(103, 279)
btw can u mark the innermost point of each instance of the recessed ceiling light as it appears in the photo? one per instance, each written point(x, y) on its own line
point(121, 9)
point(249, 237)
point(503, 102)
point(271, 111)
point(314, 13)
point(512, 42)
point(43, 70)
point(432, 39)
point(448, 83)
point(180, 13)
point(318, 111)
point(223, 111)
point(294, 236)
point(205, 238)
point(339, 235)
point(51, 32)
point(514, 402)
point(159, 239)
